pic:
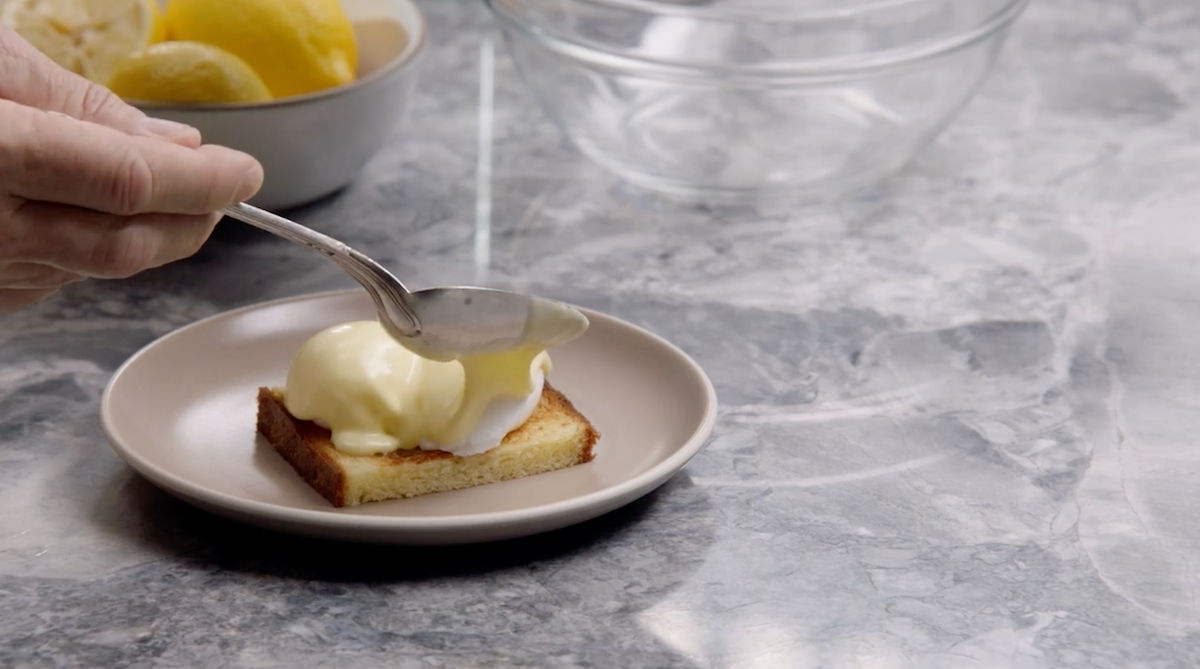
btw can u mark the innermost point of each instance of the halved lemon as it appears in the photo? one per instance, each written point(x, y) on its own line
point(88, 37)
point(186, 72)
point(296, 46)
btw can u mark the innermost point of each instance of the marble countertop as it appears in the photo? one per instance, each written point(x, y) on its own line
point(958, 410)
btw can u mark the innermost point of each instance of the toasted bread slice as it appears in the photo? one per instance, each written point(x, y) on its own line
point(556, 436)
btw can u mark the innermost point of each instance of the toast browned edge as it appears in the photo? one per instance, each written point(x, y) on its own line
point(307, 447)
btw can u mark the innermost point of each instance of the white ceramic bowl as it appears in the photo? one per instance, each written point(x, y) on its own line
point(312, 145)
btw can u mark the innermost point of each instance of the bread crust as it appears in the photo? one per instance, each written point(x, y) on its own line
point(308, 447)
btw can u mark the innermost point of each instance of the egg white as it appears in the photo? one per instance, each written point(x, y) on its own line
point(502, 415)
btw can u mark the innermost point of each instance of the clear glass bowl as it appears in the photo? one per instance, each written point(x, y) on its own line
point(737, 100)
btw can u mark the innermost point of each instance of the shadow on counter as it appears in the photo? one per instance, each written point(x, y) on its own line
point(187, 534)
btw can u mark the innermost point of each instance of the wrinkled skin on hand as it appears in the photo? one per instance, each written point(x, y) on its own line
point(90, 187)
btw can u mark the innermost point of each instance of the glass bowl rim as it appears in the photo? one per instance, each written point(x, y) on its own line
point(825, 69)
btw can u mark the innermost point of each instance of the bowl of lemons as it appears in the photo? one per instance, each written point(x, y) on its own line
point(311, 88)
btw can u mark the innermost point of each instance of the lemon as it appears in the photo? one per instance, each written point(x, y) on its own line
point(88, 37)
point(296, 46)
point(186, 72)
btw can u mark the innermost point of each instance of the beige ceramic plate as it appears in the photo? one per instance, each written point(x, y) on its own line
point(182, 413)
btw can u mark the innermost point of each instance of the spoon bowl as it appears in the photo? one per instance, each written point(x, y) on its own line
point(436, 323)
point(486, 320)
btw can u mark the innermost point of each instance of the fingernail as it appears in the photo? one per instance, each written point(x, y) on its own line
point(168, 130)
point(251, 181)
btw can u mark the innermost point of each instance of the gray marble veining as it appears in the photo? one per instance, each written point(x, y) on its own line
point(958, 409)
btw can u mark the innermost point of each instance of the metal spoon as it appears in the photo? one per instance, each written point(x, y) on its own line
point(437, 323)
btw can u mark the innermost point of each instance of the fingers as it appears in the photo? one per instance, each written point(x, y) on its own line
point(49, 158)
point(32, 276)
point(28, 77)
point(97, 245)
point(12, 300)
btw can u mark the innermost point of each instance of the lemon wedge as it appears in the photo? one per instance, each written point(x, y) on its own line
point(296, 46)
point(186, 72)
point(88, 37)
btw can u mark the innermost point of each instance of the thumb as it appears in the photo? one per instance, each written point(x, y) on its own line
point(29, 77)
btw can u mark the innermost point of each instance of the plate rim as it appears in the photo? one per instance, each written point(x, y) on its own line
point(334, 518)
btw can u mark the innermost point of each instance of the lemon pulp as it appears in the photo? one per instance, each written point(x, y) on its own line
point(88, 37)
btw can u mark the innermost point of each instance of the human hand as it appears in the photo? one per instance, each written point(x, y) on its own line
point(92, 188)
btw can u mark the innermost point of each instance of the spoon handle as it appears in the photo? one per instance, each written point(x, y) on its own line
point(390, 296)
point(289, 230)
